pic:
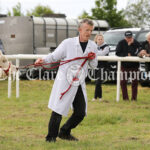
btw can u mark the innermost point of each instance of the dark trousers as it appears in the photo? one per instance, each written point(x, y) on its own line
point(126, 73)
point(77, 116)
point(98, 84)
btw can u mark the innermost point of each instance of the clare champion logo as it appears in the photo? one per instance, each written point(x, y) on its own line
point(75, 75)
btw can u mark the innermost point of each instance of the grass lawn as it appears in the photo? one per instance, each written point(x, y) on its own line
point(109, 125)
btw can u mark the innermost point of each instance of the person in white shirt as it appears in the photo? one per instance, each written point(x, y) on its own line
point(76, 96)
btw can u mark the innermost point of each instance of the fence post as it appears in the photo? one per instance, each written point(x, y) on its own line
point(118, 80)
point(17, 78)
point(9, 83)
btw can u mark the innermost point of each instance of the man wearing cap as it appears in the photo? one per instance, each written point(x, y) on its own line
point(129, 47)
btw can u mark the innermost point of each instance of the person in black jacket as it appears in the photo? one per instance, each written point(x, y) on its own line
point(129, 47)
point(145, 52)
point(103, 50)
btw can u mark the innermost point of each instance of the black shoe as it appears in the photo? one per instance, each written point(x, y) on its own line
point(51, 139)
point(126, 99)
point(133, 99)
point(68, 137)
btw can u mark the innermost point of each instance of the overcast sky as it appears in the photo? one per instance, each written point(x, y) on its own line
point(72, 8)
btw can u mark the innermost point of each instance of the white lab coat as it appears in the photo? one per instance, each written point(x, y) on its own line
point(68, 49)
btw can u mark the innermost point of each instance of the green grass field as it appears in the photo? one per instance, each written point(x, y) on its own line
point(109, 125)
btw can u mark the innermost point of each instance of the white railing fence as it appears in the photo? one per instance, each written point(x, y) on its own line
point(102, 58)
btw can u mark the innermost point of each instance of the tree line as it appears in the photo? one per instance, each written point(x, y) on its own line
point(134, 15)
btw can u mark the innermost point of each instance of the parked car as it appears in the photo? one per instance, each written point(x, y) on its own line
point(113, 36)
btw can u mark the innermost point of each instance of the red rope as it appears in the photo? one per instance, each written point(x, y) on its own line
point(7, 70)
point(90, 56)
point(74, 79)
point(53, 67)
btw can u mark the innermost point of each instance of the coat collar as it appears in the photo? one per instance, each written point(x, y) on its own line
point(78, 43)
point(88, 47)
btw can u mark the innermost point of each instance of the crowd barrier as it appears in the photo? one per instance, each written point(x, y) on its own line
point(102, 58)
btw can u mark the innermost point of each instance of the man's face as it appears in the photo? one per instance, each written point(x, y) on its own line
point(85, 31)
point(129, 39)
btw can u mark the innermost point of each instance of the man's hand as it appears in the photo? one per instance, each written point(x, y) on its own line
point(130, 41)
point(143, 53)
point(147, 55)
point(39, 61)
point(91, 55)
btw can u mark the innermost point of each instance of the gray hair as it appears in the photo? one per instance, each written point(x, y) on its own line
point(147, 35)
point(86, 20)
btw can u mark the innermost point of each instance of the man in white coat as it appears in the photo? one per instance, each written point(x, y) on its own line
point(75, 96)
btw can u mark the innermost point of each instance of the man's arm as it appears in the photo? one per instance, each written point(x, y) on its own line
point(58, 54)
point(119, 49)
point(104, 52)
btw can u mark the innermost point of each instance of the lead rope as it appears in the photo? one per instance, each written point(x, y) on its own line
point(90, 55)
point(74, 79)
point(7, 70)
point(53, 67)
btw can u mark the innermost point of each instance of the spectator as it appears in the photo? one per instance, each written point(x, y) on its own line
point(145, 52)
point(103, 50)
point(70, 48)
point(129, 47)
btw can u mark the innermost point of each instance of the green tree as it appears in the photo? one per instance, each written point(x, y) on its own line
point(138, 13)
point(107, 10)
point(16, 11)
point(40, 10)
point(85, 15)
